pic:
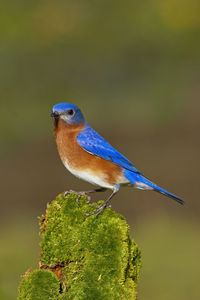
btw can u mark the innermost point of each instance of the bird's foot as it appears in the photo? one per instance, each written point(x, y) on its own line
point(79, 194)
point(98, 210)
point(85, 194)
point(69, 192)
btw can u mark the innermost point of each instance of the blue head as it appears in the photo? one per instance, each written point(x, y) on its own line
point(67, 112)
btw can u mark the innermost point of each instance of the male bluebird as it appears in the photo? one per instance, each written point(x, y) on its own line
point(88, 156)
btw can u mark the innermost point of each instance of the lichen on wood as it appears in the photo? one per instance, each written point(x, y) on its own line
point(88, 257)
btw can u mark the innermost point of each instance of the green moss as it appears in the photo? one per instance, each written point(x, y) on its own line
point(39, 285)
point(96, 256)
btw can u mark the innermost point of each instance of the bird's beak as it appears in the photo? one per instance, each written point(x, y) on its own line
point(55, 114)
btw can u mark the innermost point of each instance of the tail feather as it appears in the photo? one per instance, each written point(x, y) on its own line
point(166, 193)
point(163, 192)
point(140, 182)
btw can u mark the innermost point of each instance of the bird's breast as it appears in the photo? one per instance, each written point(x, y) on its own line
point(80, 162)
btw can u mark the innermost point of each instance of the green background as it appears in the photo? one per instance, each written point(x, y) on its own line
point(133, 67)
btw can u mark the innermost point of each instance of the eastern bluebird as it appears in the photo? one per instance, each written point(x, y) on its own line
point(88, 156)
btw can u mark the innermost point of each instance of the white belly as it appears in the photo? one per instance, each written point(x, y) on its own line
point(89, 176)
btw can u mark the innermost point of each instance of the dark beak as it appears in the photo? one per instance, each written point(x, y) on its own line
point(55, 114)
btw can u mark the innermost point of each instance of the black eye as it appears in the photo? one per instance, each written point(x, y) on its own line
point(70, 112)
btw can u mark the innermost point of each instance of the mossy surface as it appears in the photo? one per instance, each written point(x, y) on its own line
point(39, 285)
point(93, 258)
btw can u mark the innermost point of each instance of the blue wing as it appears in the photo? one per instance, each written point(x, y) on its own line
point(93, 143)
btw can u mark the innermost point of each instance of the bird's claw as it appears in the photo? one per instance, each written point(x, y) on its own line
point(83, 193)
point(93, 206)
point(69, 192)
point(98, 210)
point(79, 194)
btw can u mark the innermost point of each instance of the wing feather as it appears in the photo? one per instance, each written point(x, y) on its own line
point(95, 144)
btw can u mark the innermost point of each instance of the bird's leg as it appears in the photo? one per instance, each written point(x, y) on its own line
point(101, 189)
point(102, 207)
point(84, 193)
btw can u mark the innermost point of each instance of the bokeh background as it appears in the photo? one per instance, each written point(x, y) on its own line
point(134, 69)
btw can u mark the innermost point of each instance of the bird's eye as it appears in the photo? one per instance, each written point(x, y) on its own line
point(70, 112)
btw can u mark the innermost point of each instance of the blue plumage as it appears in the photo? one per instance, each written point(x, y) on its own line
point(95, 144)
point(140, 182)
point(70, 113)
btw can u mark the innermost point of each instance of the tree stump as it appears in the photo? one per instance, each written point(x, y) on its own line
point(83, 257)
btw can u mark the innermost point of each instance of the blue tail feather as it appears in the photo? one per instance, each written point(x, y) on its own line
point(136, 178)
point(168, 194)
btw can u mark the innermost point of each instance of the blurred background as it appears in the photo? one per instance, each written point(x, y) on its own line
point(133, 67)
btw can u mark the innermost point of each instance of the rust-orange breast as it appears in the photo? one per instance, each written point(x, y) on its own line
point(79, 159)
